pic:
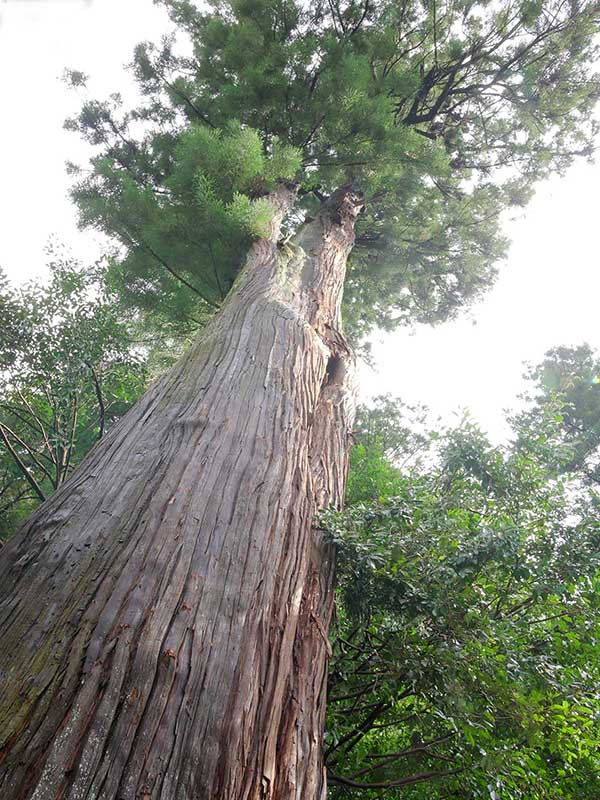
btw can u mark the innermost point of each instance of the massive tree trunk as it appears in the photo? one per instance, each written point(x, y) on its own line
point(163, 632)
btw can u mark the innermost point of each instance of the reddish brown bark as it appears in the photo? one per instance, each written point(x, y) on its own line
point(163, 633)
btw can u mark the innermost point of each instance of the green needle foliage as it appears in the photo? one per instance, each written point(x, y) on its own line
point(465, 648)
point(444, 114)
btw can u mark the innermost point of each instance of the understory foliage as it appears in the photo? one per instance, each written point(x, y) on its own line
point(465, 647)
point(443, 115)
point(68, 370)
point(465, 644)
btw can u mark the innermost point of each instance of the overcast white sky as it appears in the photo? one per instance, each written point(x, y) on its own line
point(548, 292)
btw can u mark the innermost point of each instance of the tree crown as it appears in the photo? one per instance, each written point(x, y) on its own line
point(443, 114)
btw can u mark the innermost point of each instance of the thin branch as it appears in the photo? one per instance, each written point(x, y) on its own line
point(352, 738)
point(362, 19)
point(26, 474)
point(33, 454)
point(216, 272)
point(411, 779)
point(22, 495)
point(68, 451)
point(35, 417)
point(100, 399)
point(169, 269)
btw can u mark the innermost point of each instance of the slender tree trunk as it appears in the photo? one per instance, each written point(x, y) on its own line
point(163, 633)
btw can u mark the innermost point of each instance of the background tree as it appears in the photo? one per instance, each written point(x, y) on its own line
point(565, 403)
point(69, 370)
point(467, 628)
point(186, 593)
point(388, 436)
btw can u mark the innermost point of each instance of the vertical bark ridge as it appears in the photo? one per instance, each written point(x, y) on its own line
point(164, 627)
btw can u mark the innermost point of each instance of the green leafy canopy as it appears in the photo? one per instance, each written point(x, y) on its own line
point(468, 620)
point(68, 371)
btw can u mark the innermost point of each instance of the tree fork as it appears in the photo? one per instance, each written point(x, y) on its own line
point(165, 614)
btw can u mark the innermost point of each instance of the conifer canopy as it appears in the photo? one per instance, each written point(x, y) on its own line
point(443, 113)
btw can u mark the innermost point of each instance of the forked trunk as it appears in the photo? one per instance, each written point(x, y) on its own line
point(163, 633)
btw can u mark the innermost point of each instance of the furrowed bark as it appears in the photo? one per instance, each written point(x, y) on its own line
point(163, 632)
